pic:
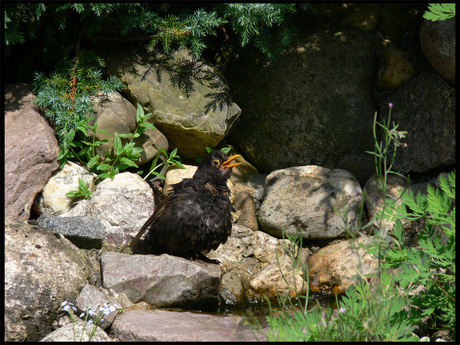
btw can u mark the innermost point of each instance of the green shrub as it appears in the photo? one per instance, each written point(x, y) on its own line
point(65, 97)
point(431, 264)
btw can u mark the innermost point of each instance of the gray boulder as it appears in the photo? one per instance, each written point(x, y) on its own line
point(84, 232)
point(438, 42)
point(190, 102)
point(425, 108)
point(163, 281)
point(122, 204)
point(313, 105)
point(260, 263)
point(42, 269)
point(315, 202)
point(31, 151)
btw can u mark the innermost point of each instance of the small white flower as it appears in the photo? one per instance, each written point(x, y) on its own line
point(342, 310)
point(90, 323)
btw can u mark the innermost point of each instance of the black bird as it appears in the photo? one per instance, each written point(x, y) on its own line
point(195, 216)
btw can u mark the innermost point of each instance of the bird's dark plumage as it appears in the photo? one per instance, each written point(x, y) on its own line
point(195, 216)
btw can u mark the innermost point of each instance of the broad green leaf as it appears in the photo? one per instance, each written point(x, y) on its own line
point(128, 162)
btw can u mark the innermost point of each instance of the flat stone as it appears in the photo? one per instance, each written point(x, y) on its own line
point(163, 325)
point(163, 280)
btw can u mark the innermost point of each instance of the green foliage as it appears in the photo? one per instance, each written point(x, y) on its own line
point(82, 192)
point(384, 156)
point(189, 32)
point(18, 17)
point(65, 96)
point(165, 26)
point(440, 11)
point(431, 264)
point(385, 151)
point(259, 21)
point(124, 154)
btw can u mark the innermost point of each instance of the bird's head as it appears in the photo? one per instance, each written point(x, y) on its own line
point(217, 166)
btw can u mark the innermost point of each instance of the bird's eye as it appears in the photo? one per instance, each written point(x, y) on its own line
point(216, 162)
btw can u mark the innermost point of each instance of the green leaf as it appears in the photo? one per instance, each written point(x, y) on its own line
point(140, 113)
point(440, 11)
point(106, 175)
point(163, 151)
point(117, 144)
point(72, 194)
point(226, 150)
point(103, 167)
point(103, 131)
point(148, 125)
point(158, 174)
point(93, 161)
point(179, 164)
point(128, 162)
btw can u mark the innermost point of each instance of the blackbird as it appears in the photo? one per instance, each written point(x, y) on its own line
point(195, 216)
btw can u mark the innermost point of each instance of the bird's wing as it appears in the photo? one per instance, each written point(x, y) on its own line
point(160, 210)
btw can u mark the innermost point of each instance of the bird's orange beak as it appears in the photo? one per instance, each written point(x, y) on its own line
point(227, 165)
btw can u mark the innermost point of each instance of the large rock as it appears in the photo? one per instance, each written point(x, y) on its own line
point(305, 107)
point(438, 41)
point(333, 269)
point(53, 199)
point(31, 151)
point(163, 281)
point(315, 202)
point(425, 108)
point(122, 204)
point(163, 325)
point(42, 269)
point(285, 266)
point(115, 114)
point(82, 231)
point(190, 102)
